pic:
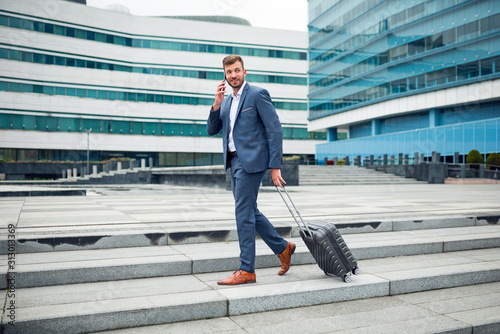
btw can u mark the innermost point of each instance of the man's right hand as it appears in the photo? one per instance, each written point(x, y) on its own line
point(219, 95)
point(277, 178)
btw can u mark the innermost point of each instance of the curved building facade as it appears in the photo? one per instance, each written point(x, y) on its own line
point(394, 76)
point(130, 86)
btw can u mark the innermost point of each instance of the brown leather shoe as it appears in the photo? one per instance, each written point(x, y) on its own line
point(286, 257)
point(239, 277)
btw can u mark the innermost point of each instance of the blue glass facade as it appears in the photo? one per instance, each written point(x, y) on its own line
point(483, 136)
point(367, 52)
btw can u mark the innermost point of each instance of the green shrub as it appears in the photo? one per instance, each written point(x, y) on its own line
point(341, 162)
point(474, 157)
point(493, 159)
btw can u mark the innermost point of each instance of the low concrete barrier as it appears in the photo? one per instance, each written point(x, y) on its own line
point(211, 176)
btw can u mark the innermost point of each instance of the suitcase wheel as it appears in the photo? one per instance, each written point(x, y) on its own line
point(356, 271)
point(347, 278)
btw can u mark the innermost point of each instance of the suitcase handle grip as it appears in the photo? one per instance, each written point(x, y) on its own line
point(302, 225)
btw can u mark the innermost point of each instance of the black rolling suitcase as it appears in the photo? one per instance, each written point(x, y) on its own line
point(325, 244)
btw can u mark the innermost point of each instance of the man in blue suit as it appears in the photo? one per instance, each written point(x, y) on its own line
point(252, 143)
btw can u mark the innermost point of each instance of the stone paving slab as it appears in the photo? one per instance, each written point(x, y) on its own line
point(103, 270)
point(484, 320)
point(35, 270)
point(66, 267)
point(374, 321)
point(102, 291)
point(135, 234)
point(89, 240)
point(162, 203)
point(122, 303)
point(257, 298)
point(381, 315)
point(421, 272)
point(158, 207)
point(93, 316)
point(476, 305)
point(219, 325)
point(39, 191)
point(463, 303)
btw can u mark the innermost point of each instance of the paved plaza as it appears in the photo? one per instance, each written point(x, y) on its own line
point(146, 258)
point(164, 207)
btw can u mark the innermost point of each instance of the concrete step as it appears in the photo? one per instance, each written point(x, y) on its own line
point(345, 175)
point(469, 309)
point(91, 307)
point(356, 182)
point(358, 171)
point(27, 191)
point(369, 174)
point(335, 169)
point(67, 238)
point(70, 267)
point(350, 177)
point(456, 258)
point(360, 180)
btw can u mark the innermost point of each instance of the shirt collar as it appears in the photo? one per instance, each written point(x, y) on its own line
point(238, 95)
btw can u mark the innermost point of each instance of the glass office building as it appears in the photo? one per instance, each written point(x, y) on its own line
point(143, 85)
point(401, 76)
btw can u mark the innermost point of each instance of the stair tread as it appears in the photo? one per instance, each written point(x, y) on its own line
point(304, 285)
point(347, 175)
point(409, 242)
point(447, 310)
point(72, 238)
point(70, 267)
point(356, 240)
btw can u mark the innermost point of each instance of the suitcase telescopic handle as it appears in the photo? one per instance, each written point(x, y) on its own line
point(302, 225)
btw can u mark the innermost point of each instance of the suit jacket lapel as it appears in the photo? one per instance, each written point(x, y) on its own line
point(242, 99)
point(226, 114)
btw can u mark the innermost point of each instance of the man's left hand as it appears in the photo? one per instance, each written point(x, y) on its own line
point(277, 179)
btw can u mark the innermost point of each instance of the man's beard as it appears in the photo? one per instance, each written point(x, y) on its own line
point(237, 86)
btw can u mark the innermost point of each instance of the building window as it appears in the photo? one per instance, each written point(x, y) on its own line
point(15, 22)
point(399, 52)
point(490, 24)
point(468, 31)
point(467, 71)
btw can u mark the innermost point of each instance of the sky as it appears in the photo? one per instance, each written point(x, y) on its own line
point(277, 14)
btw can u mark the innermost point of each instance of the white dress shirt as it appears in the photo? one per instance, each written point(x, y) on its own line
point(232, 117)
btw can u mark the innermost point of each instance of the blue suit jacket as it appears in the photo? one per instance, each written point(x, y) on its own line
point(257, 133)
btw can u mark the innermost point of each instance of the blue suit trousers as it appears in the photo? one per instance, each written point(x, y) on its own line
point(249, 220)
